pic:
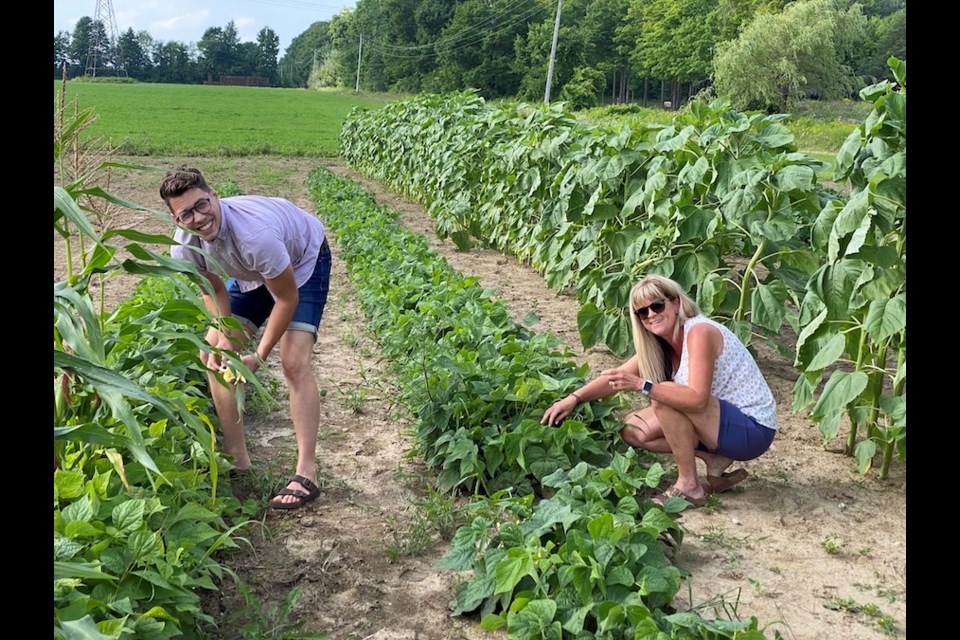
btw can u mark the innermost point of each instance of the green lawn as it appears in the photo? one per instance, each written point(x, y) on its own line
point(201, 120)
point(176, 119)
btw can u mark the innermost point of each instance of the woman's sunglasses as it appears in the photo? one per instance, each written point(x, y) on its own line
point(657, 307)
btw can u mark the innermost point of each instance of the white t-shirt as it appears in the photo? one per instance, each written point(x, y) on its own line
point(259, 236)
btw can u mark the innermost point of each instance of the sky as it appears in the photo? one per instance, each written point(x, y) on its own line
point(186, 20)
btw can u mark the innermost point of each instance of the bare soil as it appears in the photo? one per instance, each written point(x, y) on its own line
point(806, 544)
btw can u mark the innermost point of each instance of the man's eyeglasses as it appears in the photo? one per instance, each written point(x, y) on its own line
point(657, 307)
point(186, 216)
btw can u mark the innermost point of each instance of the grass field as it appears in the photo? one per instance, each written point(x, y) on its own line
point(175, 119)
point(199, 120)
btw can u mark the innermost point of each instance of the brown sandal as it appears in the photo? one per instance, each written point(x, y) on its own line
point(673, 492)
point(719, 484)
point(303, 497)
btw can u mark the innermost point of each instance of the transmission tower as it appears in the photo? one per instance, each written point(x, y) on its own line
point(108, 21)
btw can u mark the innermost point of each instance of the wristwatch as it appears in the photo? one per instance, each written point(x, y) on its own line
point(647, 387)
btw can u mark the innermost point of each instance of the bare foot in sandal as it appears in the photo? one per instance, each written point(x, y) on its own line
point(299, 491)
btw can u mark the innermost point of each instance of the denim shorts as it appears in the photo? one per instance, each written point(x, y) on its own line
point(740, 437)
point(252, 308)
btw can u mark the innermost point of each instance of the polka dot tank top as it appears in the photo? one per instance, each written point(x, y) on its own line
point(736, 377)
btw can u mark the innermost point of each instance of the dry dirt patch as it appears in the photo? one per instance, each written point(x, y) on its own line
point(798, 544)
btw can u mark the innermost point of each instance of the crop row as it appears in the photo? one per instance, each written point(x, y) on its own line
point(562, 541)
point(720, 201)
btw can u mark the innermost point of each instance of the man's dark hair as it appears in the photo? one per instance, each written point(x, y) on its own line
point(178, 182)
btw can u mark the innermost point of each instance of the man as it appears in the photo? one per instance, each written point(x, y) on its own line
point(278, 262)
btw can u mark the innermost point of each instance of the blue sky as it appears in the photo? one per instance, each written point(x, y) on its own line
point(186, 20)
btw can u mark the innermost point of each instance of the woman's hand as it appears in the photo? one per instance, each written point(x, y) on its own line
point(620, 380)
point(558, 411)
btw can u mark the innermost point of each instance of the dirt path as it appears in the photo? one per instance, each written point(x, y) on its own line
point(806, 544)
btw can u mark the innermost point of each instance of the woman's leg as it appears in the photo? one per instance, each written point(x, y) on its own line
point(683, 432)
point(642, 430)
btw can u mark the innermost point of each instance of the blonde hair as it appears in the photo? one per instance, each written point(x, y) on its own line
point(651, 360)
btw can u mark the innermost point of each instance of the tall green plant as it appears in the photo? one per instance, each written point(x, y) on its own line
point(853, 317)
point(137, 512)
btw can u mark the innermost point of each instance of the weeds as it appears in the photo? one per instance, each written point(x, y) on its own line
point(355, 398)
point(831, 546)
point(718, 537)
point(436, 515)
point(258, 620)
point(262, 404)
point(869, 610)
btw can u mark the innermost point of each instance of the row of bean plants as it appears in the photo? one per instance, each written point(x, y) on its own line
point(719, 200)
point(562, 541)
point(139, 509)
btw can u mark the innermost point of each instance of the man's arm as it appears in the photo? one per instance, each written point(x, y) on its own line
point(218, 305)
point(287, 297)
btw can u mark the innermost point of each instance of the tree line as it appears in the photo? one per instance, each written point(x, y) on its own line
point(87, 51)
point(765, 54)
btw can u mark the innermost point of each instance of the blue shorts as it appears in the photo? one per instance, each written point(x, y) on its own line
point(252, 308)
point(740, 436)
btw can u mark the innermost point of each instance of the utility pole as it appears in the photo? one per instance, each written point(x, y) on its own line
point(107, 21)
point(553, 53)
point(359, 57)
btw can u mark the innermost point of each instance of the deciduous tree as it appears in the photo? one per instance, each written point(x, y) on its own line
point(782, 58)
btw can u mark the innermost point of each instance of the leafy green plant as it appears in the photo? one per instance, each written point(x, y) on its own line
point(139, 512)
point(853, 323)
point(831, 546)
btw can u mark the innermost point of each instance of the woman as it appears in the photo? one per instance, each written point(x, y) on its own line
point(707, 396)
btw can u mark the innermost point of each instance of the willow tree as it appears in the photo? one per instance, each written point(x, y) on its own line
point(797, 54)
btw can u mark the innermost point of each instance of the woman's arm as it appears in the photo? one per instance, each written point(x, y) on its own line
point(704, 345)
point(593, 390)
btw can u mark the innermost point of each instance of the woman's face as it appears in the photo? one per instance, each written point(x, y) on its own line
point(658, 315)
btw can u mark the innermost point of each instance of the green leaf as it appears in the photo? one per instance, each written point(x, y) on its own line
point(768, 305)
point(65, 204)
point(83, 629)
point(535, 621)
point(896, 408)
point(841, 389)
point(828, 354)
point(864, 453)
point(512, 569)
point(847, 155)
point(80, 510)
point(128, 515)
point(68, 485)
point(84, 570)
point(589, 319)
point(886, 318)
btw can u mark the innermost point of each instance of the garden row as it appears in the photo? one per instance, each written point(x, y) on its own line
point(718, 200)
point(561, 541)
point(139, 509)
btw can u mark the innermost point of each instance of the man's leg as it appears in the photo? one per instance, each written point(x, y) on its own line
point(296, 356)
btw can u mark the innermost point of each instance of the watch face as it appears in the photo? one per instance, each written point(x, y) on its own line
point(647, 386)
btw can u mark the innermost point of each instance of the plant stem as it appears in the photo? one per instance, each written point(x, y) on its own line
point(745, 281)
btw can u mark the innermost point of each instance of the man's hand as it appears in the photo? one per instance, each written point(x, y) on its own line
point(251, 362)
